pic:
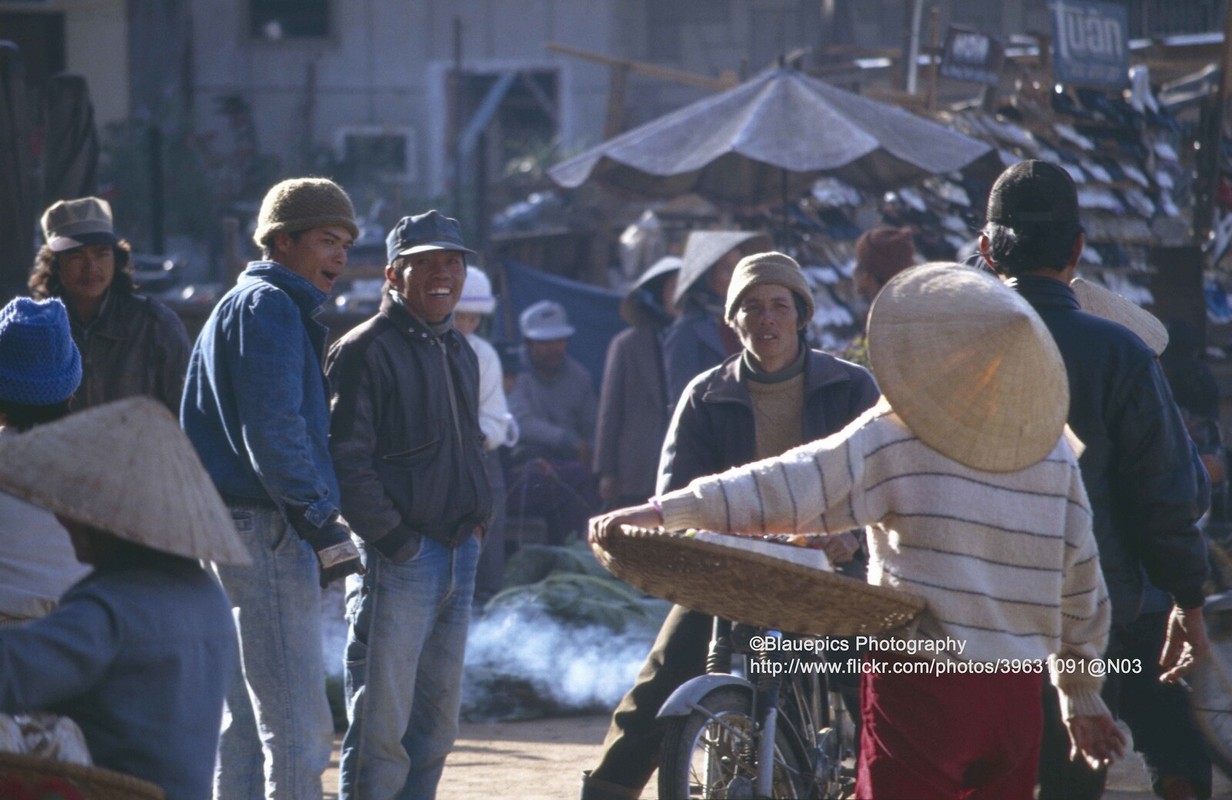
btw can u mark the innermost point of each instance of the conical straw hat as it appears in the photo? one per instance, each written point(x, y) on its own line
point(703, 248)
point(128, 469)
point(968, 366)
point(1103, 302)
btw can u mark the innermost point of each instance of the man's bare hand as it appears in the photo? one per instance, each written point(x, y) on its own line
point(1185, 643)
point(603, 526)
point(1097, 739)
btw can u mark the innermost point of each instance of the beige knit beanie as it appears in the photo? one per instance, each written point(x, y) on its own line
point(300, 204)
point(776, 268)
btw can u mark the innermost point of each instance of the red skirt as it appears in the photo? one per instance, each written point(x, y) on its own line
point(969, 736)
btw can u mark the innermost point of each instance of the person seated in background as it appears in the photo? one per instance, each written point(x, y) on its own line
point(140, 651)
point(130, 344)
point(633, 410)
point(553, 401)
point(40, 369)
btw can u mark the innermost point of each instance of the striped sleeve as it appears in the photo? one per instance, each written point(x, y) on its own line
point(807, 489)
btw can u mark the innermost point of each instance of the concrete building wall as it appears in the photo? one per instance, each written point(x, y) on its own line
point(96, 46)
point(386, 63)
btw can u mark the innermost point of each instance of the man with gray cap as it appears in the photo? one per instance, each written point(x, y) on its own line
point(554, 404)
point(130, 344)
point(256, 408)
point(405, 437)
point(1146, 496)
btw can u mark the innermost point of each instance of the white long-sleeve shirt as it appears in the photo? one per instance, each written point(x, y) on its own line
point(495, 420)
point(1006, 561)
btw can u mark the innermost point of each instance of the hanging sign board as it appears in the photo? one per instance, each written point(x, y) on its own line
point(1090, 43)
point(971, 56)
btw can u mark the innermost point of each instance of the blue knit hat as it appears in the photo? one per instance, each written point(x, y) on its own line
point(39, 364)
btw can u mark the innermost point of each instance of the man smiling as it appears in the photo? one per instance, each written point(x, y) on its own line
point(256, 409)
point(405, 437)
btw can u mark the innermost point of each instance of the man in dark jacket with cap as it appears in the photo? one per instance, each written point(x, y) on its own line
point(1137, 465)
point(256, 409)
point(406, 440)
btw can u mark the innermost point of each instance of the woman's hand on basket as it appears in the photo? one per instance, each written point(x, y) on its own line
point(603, 526)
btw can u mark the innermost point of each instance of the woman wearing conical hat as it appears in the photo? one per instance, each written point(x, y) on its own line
point(976, 504)
point(139, 652)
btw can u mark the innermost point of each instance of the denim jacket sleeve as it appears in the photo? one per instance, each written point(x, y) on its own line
point(267, 356)
point(57, 657)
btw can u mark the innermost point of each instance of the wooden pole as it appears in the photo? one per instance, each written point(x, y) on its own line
point(642, 68)
point(618, 82)
point(934, 24)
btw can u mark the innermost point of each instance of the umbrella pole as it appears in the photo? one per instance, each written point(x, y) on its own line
point(783, 217)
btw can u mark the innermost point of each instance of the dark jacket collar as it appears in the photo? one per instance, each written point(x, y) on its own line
point(1044, 291)
point(115, 317)
point(411, 325)
point(727, 383)
point(308, 297)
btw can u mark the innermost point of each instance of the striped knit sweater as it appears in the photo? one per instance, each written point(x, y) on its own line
point(1006, 561)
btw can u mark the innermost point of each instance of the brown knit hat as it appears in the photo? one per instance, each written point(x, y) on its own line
point(884, 252)
point(300, 204)
point(779, 269)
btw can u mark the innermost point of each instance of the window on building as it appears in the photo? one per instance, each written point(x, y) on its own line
point(277, 19)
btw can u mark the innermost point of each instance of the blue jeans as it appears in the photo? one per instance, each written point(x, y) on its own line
point(277, 732)
point(407, 641)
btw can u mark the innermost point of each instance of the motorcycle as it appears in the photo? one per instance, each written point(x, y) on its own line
point(776, 728)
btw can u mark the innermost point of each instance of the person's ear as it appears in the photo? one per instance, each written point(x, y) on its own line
point(985, 246)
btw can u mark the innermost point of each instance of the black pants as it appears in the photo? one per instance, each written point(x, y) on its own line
point(631, 748)
point(1158, 713)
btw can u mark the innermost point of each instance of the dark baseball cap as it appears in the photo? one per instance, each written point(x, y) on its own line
point(1032, 192)
point(422, 232)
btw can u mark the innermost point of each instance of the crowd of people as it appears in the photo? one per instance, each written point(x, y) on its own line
point(171, 512)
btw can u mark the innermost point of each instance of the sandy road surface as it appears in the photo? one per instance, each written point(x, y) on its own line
point(543, 759)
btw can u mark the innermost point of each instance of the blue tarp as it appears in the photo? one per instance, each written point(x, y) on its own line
point(593, 311)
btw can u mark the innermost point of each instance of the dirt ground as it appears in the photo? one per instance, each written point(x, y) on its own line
point(543, 760)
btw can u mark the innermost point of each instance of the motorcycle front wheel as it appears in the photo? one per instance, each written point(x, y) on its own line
point(711, 753)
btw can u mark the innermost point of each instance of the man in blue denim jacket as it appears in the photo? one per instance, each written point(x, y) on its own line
point(255, 406)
